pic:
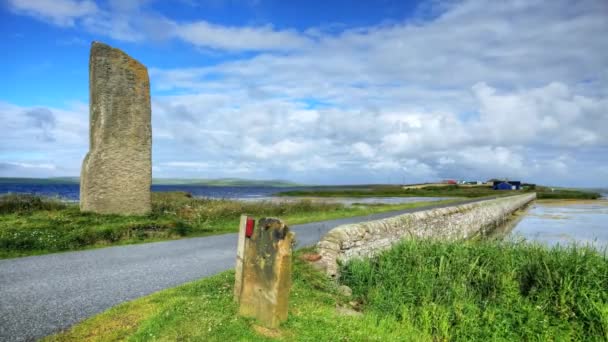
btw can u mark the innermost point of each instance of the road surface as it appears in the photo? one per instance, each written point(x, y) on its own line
point(41, 295)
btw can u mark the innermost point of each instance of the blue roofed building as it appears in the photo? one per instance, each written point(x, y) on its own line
point(507, 185)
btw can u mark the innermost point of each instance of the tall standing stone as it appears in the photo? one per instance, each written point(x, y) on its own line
point(117, 172)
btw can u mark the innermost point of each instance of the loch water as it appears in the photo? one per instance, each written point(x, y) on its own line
point(71, 192)
point(563, 222)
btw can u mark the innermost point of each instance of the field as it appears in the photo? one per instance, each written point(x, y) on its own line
point(32, 225)
point(469, 191)
point(418, 291)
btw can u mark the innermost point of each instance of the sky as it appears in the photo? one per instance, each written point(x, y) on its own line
point(321, 92)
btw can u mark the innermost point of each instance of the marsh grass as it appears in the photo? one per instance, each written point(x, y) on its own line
point(32, 225)
point(487, 291)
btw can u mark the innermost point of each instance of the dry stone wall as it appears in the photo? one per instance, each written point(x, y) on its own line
point(452, 223)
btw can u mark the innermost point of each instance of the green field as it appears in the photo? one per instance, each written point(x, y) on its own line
point(434, 191)
point(418, 291)
point(32, 225)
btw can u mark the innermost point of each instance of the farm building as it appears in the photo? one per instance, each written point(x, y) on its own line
point(507, 185)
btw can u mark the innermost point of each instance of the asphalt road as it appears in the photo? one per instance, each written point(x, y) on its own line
point(41, 295)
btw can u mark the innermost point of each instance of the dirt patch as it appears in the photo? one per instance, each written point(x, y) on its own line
point(266, 332)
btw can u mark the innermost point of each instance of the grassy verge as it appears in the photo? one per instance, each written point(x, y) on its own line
point(31, 225)
point(419, 291)
point(487, 291)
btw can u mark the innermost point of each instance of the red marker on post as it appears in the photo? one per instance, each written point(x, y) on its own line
point(249, 227)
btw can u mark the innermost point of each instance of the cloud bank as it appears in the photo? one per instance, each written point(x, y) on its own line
point(501, 89)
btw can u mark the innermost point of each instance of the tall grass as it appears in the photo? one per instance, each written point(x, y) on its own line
point(25, 203)
point(487, 290)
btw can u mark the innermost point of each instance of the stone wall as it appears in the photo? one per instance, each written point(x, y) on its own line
point(452, 223)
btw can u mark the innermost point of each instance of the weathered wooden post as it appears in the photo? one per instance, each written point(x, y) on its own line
point(263, 270)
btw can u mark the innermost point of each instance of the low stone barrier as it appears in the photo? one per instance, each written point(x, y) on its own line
point(451, 223)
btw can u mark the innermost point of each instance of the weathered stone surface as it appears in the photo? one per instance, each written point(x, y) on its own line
point(117, 172)
point(266, 273)
point(456, 222)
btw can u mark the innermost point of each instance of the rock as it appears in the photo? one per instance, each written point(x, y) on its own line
point(346, 311)
point(117, 171)
point(311, 257)
point(345, 290)
point(355, 304)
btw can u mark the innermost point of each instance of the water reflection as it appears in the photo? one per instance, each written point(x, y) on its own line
point(351, 200)
point(565, 222)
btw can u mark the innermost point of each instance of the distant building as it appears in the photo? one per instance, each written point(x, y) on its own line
point(506, 185)
point(450, 181)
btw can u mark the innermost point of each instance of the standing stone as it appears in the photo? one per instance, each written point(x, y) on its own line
point(117, 172)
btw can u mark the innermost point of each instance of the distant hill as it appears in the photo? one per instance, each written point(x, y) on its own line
point(160, 181)
point(58, 180)
point(223, 182)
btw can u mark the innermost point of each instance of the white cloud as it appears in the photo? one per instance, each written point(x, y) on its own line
point(513, 88)
point(208, 35)
point(59, 12)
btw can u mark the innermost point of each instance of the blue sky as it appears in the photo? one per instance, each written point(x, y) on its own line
point(321, 92)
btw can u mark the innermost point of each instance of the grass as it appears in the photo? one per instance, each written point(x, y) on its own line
point(487, 291)
point(31, 225)
point(418, 291)
point(548, 193)
point(397, 191)
point(436, 191)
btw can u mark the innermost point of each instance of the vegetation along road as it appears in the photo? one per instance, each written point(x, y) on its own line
point(47, 293)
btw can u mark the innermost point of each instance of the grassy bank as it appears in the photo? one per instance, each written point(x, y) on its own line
point(435, 191)
point(33, 225)
point(487, 291)
point(419, 291)
point(557, 193)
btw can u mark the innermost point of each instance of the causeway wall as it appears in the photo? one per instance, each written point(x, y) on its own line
point(452, 223)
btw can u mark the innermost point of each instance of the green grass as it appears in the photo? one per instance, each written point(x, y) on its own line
point(436, 191)
point(397, 191)
point(487, 291)
point(557, 193)
point(418, 291)
point(31, 225)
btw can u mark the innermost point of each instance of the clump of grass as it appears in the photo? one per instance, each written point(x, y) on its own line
point(25, 203)
point(487, 290)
